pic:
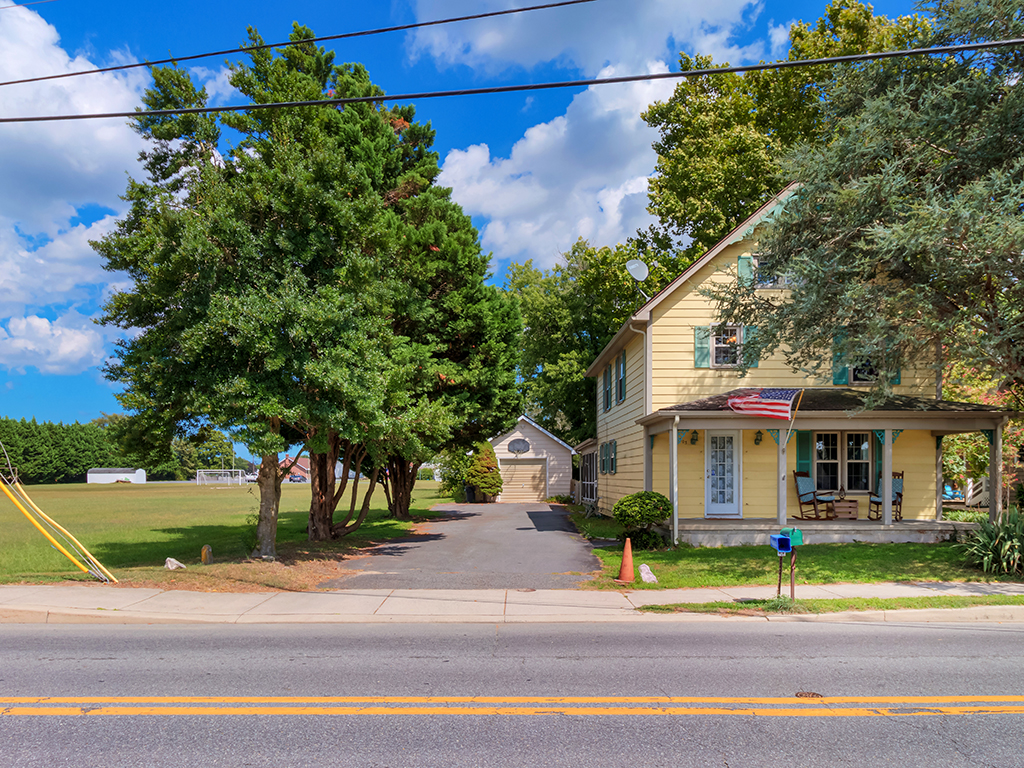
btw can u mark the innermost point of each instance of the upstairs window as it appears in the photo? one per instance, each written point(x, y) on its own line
point(726, 347)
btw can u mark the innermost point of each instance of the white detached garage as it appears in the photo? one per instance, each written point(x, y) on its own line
point(535, 464)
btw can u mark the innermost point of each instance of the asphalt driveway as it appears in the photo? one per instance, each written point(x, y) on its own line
point(479, 546)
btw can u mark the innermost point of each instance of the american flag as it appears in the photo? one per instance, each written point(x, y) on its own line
point(773, 403)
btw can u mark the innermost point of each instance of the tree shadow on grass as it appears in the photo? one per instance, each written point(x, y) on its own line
point(235, 542)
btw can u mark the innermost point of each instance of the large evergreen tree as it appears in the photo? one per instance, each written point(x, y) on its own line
point(271, 277)
point(908, 229)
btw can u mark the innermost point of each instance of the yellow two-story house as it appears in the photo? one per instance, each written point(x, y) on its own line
point(664, 422)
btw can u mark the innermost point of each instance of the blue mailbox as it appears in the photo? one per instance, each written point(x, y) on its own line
point(781, 543)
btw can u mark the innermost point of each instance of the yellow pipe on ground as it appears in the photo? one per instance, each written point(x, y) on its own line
point(32, 520)
point(24, 494)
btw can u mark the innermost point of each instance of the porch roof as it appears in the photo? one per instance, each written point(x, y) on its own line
point(834, 408)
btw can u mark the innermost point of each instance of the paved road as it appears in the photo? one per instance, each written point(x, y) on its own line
point(480, 546)
point(481, 696)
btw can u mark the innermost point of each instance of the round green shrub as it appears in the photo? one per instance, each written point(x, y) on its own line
point(643, 539)
point(641, 510)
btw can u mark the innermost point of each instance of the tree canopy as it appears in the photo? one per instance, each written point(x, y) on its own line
point(906, 233)
point(722, 136)
point(296, 286)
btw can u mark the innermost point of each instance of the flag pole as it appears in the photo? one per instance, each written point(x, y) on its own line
point(792, 419)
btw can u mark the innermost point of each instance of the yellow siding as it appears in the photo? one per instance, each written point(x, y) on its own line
point(676, 380)
point(913, 453)
point(619, 424)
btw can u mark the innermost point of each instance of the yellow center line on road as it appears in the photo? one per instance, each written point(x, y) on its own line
point(188, 706)
point(505, 699)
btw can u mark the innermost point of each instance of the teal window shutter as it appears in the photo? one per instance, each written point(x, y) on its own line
point(896, 378)
point(701, 347)
point(804, 440)
point(614, 452)
point(749, 333)
point(621, 392)
point(745, 270)
point(877, 445)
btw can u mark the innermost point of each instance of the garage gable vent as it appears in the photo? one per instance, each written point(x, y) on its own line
point(519, 446)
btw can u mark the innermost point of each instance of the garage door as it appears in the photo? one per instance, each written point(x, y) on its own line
point(523, 480)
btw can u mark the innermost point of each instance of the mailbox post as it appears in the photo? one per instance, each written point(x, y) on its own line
point(787, 540)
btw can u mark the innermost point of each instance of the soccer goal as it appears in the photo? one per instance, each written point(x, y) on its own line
point(220, 477)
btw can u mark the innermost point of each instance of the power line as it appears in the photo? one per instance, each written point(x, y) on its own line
point(531, 86)
point(22, 5)
point(247, 49)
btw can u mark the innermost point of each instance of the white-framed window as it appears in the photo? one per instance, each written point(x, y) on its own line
point(842, 460)
point(726, 346)
point(863, 374)
point(607, 389)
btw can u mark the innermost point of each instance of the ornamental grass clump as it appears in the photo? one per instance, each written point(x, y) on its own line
point(997, 547)
point(638, 513)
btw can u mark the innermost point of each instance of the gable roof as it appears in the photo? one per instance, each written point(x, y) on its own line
point(535, 425)
point(640, 318)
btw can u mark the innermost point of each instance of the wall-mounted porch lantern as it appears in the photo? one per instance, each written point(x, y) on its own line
point(758, 437)
point(693, 438)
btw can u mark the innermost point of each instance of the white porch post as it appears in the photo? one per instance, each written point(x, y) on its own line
point(995, 474)
point(887, 479)
point(673, 478)
point(938, 478)
point(780, 496)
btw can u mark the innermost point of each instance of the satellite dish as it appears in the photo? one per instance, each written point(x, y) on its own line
point(518, 446)
point(637, 270)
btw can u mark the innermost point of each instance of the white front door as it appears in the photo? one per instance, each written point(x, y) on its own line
point(722, 474)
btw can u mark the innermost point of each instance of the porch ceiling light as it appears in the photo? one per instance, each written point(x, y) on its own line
point(693, 438)
point(758, 437)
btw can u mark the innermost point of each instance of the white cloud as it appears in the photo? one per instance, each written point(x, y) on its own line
point(587, 37)
point(582, 174)
point(217, 83)
point(69, 345)
point(778, 35)
point(50, 172)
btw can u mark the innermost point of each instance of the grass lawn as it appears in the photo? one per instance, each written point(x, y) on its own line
point(759, 565)
point(785, 605)
point(132, 529)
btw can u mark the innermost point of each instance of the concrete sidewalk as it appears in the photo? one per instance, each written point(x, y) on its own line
point(106, 604)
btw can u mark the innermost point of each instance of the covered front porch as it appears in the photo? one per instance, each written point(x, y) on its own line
point(730, 475)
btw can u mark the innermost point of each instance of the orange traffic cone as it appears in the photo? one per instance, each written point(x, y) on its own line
point(626, 570)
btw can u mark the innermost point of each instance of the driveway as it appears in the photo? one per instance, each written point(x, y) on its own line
point(479, 546)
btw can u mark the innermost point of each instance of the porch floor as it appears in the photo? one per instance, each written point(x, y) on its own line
point(732, 533)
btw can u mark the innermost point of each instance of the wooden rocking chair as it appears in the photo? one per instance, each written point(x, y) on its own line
point(811, 497)
point(875, 503)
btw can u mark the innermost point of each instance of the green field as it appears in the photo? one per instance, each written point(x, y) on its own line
point(139, 526)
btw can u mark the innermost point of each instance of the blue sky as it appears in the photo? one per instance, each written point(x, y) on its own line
point(535, 170)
